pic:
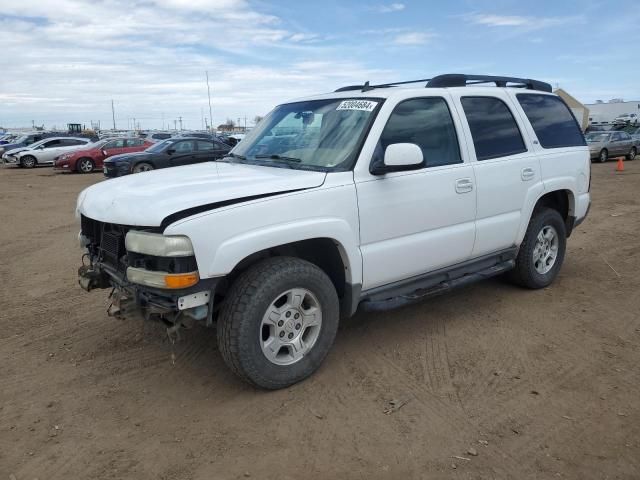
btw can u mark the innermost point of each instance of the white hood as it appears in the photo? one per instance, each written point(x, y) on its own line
point(145, 199)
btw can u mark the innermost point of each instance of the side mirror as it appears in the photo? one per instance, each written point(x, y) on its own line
point(40, 147)
point(171, 151)
point(104, 152)
point(400, 157)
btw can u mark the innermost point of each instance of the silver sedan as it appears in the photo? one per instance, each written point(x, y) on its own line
point(605, 145)
point(45, 151)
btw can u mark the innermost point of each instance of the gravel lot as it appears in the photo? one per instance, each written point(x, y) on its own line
point(517, 384)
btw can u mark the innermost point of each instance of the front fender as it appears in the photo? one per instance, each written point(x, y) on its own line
point(223, 238)
point(231, 252)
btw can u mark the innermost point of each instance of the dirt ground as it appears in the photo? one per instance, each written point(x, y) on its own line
point(499, 382)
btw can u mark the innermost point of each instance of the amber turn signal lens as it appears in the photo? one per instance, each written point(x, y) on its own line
point(181, 280)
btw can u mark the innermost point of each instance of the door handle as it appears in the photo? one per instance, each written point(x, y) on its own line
point(464, 185)
point(527, 174)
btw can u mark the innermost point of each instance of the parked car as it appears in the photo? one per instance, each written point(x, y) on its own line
point(46, 151)
point(169, 153)
point(626, 119)
point(155, 137)
point(91, 158)
point(21, 141)
point(604, 145)
point(383, 196)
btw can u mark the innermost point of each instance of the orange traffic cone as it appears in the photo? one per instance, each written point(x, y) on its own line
point(620, 165)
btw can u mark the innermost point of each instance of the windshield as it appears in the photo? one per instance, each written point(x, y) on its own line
point(315, 135)
point(597, 137)
point(160, 146)
point(22, 139)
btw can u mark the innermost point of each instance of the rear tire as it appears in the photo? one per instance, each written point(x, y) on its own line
point(142, 167)
point(85, 165)
point(542, 251)
point(632, 153)
point(28, 161)
point(271, 338)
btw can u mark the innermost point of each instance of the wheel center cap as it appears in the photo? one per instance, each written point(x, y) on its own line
point(289, 326)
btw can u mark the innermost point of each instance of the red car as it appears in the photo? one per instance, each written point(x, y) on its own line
point(90, 159)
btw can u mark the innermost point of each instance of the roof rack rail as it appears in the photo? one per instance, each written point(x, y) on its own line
point(459, 80)
point(366, 87)
point(462, 80)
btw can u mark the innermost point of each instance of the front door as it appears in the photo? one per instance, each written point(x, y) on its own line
point(182, 153)
point(417, 221)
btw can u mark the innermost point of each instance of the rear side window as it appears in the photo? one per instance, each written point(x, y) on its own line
point(427, 123)
point(494, 130)
point(551, 119)
point(135, 142)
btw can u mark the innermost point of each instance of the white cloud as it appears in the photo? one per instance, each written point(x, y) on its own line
point(524, 22)
point(392, 7)
point(413, 38)
point(71, 57)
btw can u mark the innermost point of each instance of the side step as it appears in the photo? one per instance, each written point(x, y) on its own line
point(377, 302)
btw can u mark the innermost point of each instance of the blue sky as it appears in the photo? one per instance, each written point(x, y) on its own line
point(64, 60)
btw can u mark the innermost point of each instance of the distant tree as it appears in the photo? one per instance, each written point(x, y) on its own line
point(257, 119)
point(230, 123)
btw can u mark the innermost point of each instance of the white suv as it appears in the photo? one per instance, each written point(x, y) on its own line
point(370, 196)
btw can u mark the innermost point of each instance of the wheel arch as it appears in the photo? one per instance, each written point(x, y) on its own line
point(562, 200)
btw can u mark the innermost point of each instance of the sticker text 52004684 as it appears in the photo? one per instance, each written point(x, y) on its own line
point(364, 105)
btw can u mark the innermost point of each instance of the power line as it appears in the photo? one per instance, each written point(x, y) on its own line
point(209, 95)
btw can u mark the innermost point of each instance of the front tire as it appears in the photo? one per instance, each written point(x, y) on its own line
point(142, 167)
point(28, 161)
point(542, 251)
point(604, 155)
point(85, 165)
point(278, 322)
point(632, 154)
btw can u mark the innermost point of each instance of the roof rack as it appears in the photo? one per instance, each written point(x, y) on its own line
point(459, 80)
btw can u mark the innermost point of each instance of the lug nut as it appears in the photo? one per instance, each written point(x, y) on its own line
point(281, 334)
point(280, 323)
point(296, 316)
point(290, 335)
point(288, 314)
point(298, 326)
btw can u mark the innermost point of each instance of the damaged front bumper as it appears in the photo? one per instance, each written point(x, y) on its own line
point(129, 299)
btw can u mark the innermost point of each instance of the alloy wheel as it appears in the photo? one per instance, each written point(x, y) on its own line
point(290, 326)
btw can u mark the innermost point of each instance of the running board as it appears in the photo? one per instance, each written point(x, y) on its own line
point(379, 302)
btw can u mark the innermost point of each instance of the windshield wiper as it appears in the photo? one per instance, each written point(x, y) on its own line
point(235, 155)
point(280, 157)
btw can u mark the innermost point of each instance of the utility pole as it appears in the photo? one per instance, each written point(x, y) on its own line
point(180, 120)
point(245, 123)
point(209, 95)
point(134, 123)
point(202, 116)
point(113, 114)
point(33, 124)
point(175, 122)
point(162, 120)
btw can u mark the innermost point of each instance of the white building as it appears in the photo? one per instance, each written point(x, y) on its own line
point(604, 113)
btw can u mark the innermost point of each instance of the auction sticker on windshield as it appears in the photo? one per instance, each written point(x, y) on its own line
point(364, 105)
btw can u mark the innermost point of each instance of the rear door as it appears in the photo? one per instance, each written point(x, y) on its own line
point(134, 145)
point(507, 171)
point(205, 150)
point(114, 147)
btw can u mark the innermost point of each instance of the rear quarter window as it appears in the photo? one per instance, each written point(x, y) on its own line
point(552, 121)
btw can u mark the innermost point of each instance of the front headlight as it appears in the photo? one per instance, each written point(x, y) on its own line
point(158, 245)
point(163, 280)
